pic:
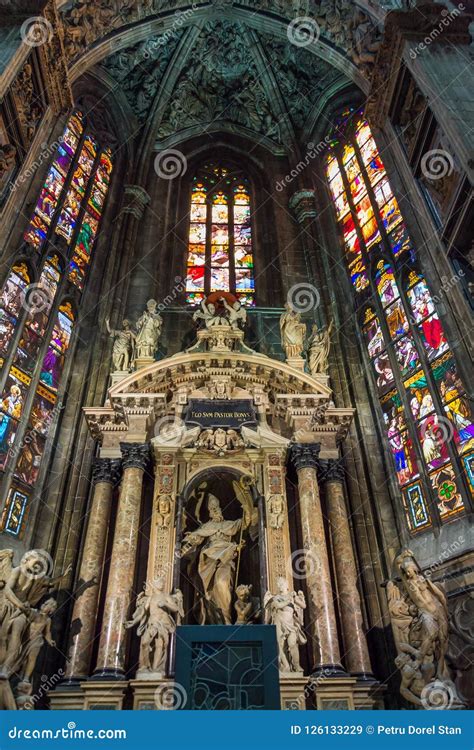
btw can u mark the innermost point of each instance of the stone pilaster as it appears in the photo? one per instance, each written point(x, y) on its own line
point(276, 514)
point(111, 656)
point(356, 654)
point(105, 475)
point(323, 625)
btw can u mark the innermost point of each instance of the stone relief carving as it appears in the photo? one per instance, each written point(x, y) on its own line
point(220, 82)
point(220, 441)
point(276, 511)
point(419, 613)
point(285, 610)
point(28, 103)
point(163, 514)
point(156, 616)
point(139, 70)
point(23, 627)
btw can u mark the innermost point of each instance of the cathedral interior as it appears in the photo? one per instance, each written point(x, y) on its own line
point(236, 448)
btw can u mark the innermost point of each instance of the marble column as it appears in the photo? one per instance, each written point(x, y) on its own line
point(111, 656)
point(322, 615)
point(356, 654)
point(105, 475)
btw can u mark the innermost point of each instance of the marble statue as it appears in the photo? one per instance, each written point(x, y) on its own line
point(24, 587)
point(419, 615)
point(285, 610)
point(237, 314)
point(208, 314)
point(39, 632)
point(123, 349)
point(275, 510)
point(156, 616)
point(214, 542)
point(149, 326)
point(318, 349)
point(247, 607)
point(293, 332)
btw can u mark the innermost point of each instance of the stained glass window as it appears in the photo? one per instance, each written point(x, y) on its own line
point(426, 415)
point(69, 208)
point(220, 253)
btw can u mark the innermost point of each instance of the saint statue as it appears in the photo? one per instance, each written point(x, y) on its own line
point(293, 332)
point(318, 349)
point(148, 330)
point(285, 610)
point(124, 343)
point(214, 542)
point(419, 614)
point(156, 615)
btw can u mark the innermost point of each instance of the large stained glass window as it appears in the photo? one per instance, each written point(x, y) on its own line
point(424, 410)
point(220, 236)
point(37, 314)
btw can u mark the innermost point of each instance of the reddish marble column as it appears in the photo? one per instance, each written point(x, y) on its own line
point(323, 625)
point(356, 654)
point(105, 474)
point(111, 656)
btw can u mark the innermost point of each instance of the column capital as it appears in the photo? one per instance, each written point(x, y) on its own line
point(135, 455)
point(135, 200)
point(332, 470)
point(305, 455)
point(303, 205)
point(106, 470)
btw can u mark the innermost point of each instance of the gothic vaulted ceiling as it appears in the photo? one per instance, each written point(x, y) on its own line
point(262, 66)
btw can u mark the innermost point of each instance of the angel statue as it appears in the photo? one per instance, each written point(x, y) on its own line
point(293, 332)
point(285, 610)
point(419, 614)
point(123, 349)
point(21, 588)
point(149, 326)
point(318, 349)
point(156, 614)
point(237, 314)
point(216, 549)
point(208, 314)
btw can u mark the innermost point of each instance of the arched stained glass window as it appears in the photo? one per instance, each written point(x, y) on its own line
point(425, 413)
point(220, 253)
point(36, 331)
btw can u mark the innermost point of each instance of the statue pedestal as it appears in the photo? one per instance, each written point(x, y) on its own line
point(154, 694)
point(141, 362)
point(293, 691)
point(66, 699)
point(368, 695)
point(104, 695)
point(297, 363)
point(117, 376)
point(333, 693)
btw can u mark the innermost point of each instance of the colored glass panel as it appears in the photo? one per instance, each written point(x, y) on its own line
point(415, 506)
point(399, 240)
point(362, 134)
point(446, 489)
point(29, 460)
point(15, 512)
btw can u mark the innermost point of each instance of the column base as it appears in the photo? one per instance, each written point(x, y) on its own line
point(293, 692)
point(154, 695)
point(104, 696)
point(333, 693)
point(102, 675)
point(66, 699)
point(368, 696)
point(71, 683)
point(364, 677)
point(328, 670)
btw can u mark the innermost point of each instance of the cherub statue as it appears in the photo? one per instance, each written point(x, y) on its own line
point(208, 314)
point(39, 632)
point(276, 510)
point(149, 326)
point(247, 607)
point(156, 616)
point(318, 349)
point(237, 313)
point(123, 349)
point(233, 440)
point(285, 610)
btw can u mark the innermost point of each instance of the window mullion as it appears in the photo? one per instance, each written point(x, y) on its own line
point(230, 227)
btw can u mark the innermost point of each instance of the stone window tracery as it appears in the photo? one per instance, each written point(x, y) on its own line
point(220, 235)
point(37, 315)
point(425, 413)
